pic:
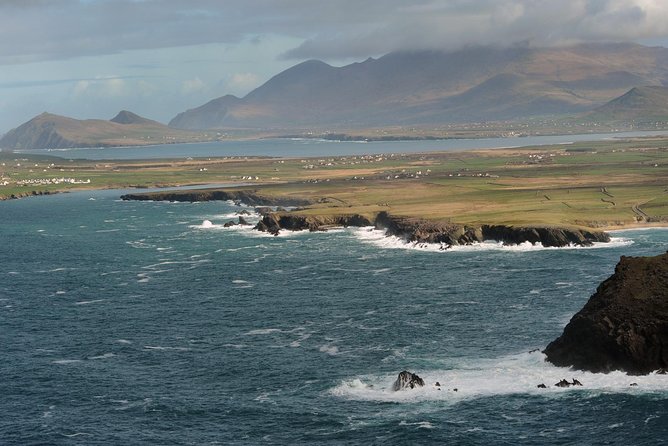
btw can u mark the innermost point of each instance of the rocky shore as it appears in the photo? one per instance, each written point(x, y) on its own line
point(624, 325)
point(247, 196)
point(415, 230)
point(427, 231)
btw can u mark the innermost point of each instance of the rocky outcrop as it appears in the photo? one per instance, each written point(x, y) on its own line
point(407, 380)
point(411, 229)
point(450, 234)
point(274, 222)
point(434, 231)
point(248, 196)
point(624, 325)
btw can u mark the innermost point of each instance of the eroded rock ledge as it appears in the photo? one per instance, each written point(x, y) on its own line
point(624, 325)
point(415, 230)
point(247, 196)
point(440, 232)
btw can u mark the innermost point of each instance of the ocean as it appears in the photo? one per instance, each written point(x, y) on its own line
point(150, 323)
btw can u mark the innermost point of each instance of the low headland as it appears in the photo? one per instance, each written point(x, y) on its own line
point(415, 230)
point(554, 195)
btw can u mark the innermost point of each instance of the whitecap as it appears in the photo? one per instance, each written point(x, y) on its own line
point(162, 348)
point(514, 374)
point(66, 361)
point(331, 350)
point(87, 302)
point(263, 331)
point(123, 341)
point(103, 356)
point(376, 237)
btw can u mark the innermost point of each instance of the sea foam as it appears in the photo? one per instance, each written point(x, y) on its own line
point(376, 237)
point(514, 374)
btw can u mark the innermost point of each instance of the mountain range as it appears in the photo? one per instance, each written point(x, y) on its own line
point(602, 83)
point(49, 131)
point(432, 87)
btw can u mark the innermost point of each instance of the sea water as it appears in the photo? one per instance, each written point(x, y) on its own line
point(151, 323)
point(310, 147)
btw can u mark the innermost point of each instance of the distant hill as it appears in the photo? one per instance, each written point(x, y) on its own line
point(428, 87)
point(639, 105)
point(49, 131)
point(127, 117)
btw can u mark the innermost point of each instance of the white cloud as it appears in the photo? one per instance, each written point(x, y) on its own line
point(242, 82)
point(194, 85)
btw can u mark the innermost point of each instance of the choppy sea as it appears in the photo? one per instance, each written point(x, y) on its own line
point(150, 323)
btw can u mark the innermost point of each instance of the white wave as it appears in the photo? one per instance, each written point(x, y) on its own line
point(206, 224)
point(124, 341)
point(331, 350)
point(516, 374)
point(263, 331)
point(67, 361)
point(87, 302)
point(377, 237)
point(419, 424)
point(161, 348)
point(103, 356)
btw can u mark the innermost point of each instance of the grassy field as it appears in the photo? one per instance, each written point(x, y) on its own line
point(600, 184)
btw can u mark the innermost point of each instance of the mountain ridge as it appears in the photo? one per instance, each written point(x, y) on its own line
point(427, 87)
point(51, 131)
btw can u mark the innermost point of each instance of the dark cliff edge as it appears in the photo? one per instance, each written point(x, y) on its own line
point(623, 326)
point(426, 231)
point(415, 230)
point(247, 196)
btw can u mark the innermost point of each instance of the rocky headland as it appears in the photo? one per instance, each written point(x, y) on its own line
point(417, 230)
point(413, 230)
point(247, 196)
point(624, 325)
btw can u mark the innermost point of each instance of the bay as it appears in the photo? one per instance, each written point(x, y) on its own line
point(140, 323)
point(317, 147)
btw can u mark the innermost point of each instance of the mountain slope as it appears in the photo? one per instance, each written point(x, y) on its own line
point(49, 131)
point(438, 87)
point(640, 104)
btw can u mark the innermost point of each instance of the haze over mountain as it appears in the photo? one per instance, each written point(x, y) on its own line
point(49, 131)
point(432, 87)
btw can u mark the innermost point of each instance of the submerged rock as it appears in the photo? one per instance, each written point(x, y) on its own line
point(624, 325)
point(407, 380)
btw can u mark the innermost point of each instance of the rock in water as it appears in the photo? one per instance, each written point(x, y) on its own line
point(624, 325)
point(407, 380)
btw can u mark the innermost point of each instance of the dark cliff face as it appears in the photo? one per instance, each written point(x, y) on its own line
point(624, 325)
point(249, 197)
point(416, 230)
point(425, 231)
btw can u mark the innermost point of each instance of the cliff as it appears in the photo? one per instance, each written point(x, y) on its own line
point(624, 325)
point(416, 230)
point(429, 231)
point(248, 196)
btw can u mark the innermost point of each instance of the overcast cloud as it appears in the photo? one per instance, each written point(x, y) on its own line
point(55, 29)
point(86, 58)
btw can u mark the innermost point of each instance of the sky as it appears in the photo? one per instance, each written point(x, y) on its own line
point(93, 58)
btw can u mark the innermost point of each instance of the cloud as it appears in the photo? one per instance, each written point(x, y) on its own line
point(101, 87)
point(60, 29)
point(243, 82)
point(190, 86)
